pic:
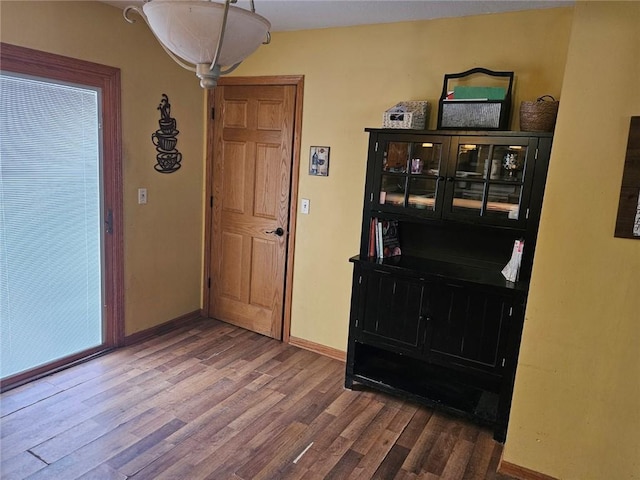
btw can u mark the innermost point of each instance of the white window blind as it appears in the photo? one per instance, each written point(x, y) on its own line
point(50, 223)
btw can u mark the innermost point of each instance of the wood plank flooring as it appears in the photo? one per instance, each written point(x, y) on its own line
point(213, 401)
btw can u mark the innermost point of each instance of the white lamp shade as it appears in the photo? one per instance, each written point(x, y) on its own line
point(190, 29)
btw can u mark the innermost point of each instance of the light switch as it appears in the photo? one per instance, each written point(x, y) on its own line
point(142, 196)
point(304, 206)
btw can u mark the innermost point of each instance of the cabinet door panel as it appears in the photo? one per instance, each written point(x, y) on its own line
point(391, 311)
point(466, 327)
point(408, 174)
point(489, 180)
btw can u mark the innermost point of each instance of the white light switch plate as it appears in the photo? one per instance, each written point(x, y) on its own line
point(142, 196)
point(304, 206)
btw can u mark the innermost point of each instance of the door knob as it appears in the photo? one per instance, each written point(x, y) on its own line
point(278, 231)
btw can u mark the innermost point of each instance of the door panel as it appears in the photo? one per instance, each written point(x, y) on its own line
point(270, 115)
point(234, 158)
point(391, 311)
point(265, 253)
point(265, 201)
point(252, 157)
point(232, 265)
point(235, 114)
point(467, 327)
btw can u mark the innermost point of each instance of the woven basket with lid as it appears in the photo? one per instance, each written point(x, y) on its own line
point(539, 116)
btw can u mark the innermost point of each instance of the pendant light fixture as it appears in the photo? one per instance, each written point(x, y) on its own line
point(203, 36)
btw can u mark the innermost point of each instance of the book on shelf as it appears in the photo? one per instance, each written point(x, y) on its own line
point(372, 238)
point(384, 240)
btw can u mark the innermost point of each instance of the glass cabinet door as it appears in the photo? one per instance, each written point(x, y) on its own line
point(411, 174)
point(393, 181)
point(488, 180)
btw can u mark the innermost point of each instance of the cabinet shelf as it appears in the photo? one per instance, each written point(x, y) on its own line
point(484, 274)
point(427, 383)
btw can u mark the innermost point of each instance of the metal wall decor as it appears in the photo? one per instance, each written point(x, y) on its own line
point(168, 157)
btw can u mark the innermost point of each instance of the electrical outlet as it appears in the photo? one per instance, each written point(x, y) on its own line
point(304, 206)
point(142, 196)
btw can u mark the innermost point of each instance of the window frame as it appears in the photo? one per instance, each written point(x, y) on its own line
point(22, 60)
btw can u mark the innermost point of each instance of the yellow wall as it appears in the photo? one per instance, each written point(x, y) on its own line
point(163, 239)
point(576, 408)
point(352, 75)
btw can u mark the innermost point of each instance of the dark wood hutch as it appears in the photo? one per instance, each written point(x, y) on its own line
point(440, 323)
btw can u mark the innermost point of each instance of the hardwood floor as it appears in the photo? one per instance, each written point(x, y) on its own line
point(213, 401)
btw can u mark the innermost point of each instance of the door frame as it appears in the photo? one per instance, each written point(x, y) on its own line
point(52, 66)
point(298, 82)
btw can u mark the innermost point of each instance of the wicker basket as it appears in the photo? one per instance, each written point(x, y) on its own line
point(539, 116)
point(406, 115)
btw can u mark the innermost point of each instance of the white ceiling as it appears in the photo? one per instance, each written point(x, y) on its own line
point(286, 15)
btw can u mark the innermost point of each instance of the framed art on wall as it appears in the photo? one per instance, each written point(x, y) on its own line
point(319, 161)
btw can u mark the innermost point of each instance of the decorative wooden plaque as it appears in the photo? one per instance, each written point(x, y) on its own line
point(628, 221)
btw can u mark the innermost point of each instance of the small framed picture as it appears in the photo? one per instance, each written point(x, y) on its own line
point(319, 161)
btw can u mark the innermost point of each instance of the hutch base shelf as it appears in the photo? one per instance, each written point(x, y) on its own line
point(427, 384)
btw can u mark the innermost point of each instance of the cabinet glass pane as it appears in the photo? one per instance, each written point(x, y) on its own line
point(507, 163)
point(503, 201)
point(422, 193)
point(467, 197)
point(472, 161)
point(494, 162)
point(396, 158)
point(392, 189)
point(410, 165)
point(425, 158)
point(488, 180)
point(415, 158)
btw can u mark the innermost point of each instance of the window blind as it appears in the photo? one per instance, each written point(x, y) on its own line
point(50, 222)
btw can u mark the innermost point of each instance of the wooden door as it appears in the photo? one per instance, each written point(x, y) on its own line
point(252, 157)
